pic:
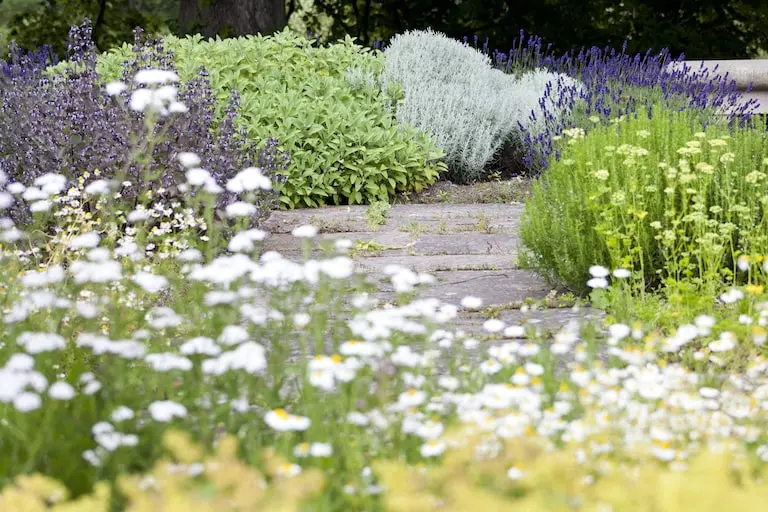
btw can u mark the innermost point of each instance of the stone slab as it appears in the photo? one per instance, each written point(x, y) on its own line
point(438, 263)
point(452, 217)
point(286, 243)
point(494, 287)
point(467, 243)
point(551, 319)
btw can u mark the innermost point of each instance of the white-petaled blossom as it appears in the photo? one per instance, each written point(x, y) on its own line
point(622, 273)
point(240, 209)
point(98, 272)
point(200, 345)
point(726, 342)
point(248, 356)
point(165, 410)
point(411, 398)
point(287, 470)
point(51, 183)
point(321, 450)
point(305, 231)
point(6, 200)
point(514, 331)
point(470, 302)
point(84, 241)
point(188, 159)
point(245, 240)
point(61, 391)
point(141, 99)
point(233, 335)
point(151, 283)
point(198, 177)
point(155, 76)
point(493, 325)
point(430, 429)
point(432, 448)
point(115, 88)
point(38, 342)
point(166, 361)
point(597, 283)
point(97, 187)
point(282, 421)
point(249, 179)
point(122, 413)
point(732, 295)
point(27, 401)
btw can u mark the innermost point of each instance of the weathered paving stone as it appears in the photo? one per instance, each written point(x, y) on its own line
point(469, 249)
point(438, 263)
point(390, 240)
point(497, 218)
point(466, 243)
point(494, 287)
point(549, 319)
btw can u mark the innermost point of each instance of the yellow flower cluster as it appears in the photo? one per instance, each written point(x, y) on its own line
point(528, 473)
point(38, 493)
point(224, 482)
point(219, 483)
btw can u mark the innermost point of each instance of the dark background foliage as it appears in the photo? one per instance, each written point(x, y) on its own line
point(700, 29)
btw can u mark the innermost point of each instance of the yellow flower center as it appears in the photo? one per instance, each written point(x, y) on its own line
point(282, 414)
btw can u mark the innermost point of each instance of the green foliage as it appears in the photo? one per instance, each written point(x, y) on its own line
point(471, 110)
point(345, 145)
point(376, 214)
point(706, 29)
point(662, 197)
point(48, 22)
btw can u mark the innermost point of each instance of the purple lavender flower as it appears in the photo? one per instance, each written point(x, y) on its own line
point(68, 124)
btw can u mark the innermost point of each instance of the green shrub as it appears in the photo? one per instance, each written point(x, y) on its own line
point(659, 196)
point(345, 145)
point(475, 113)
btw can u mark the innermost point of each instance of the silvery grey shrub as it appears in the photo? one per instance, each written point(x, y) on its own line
point(475, 113)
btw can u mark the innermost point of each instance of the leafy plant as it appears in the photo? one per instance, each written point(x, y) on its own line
point(614, 82)
point(345, 145)
point(376, 214)
point(664, 197)
point(472, 111)
point(69, 124)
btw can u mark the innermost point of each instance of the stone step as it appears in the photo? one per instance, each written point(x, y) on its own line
point(396, 243)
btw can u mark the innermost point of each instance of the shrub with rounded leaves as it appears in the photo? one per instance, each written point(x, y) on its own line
point(345, 145)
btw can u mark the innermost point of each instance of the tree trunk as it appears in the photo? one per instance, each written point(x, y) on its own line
point(231, 18)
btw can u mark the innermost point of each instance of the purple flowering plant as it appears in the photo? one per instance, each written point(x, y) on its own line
point(22, 62)
point(613, 83)
point(66, 123)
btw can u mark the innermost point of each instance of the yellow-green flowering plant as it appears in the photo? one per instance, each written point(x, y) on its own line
point(664, 197)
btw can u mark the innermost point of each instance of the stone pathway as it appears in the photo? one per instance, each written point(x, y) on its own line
point(471, 249)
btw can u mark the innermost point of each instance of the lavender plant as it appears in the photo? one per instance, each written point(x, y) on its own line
point(615, 83)
point(66, 123)
point(21, 62)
